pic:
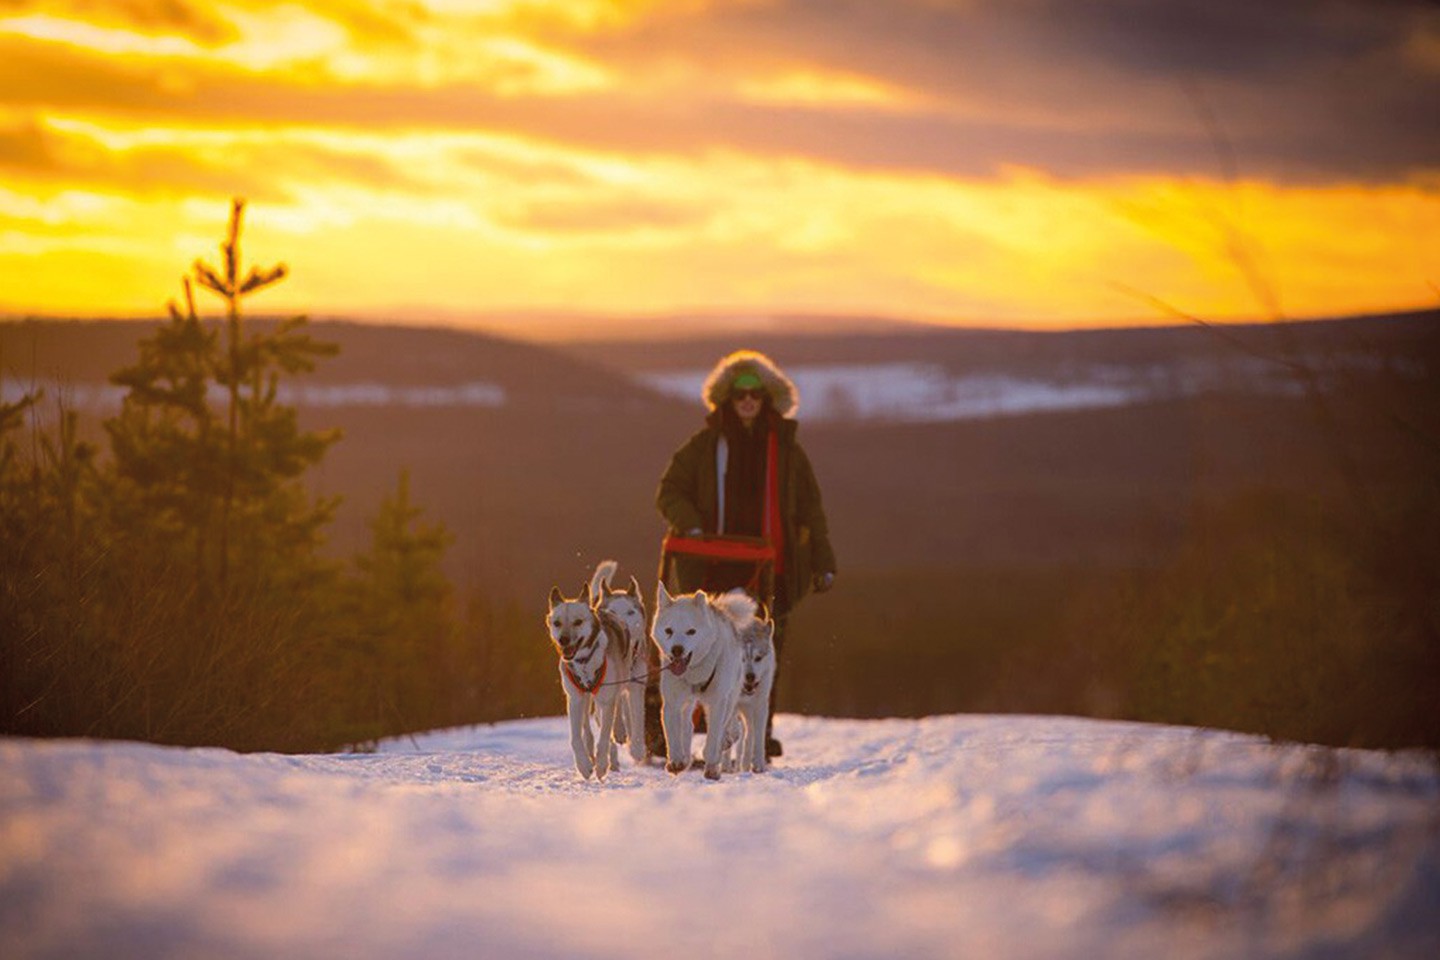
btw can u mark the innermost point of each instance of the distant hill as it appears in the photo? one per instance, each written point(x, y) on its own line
point(89, 351)
point(962, 349)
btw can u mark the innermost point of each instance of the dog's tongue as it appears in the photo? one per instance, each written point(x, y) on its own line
point(679, 665)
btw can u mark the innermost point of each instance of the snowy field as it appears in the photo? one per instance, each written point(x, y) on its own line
point(962, 836)
point(928, 393)
point(107, 398)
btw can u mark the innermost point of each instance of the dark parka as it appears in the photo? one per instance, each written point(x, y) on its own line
point(689, 490)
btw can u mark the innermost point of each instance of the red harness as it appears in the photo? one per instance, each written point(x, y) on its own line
point(774, 530)
point(595, 684)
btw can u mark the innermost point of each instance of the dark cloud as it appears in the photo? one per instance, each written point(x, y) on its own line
point(1125, 69)
point(1226, 38)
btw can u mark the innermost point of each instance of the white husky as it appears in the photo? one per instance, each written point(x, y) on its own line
point(757, 676)
point(700, 656)
point(622, 616)
point(587, 662)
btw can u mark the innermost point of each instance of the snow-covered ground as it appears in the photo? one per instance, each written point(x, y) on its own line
point(106, 398)
point(960, 836)
point(921, 392)
point(914, 392)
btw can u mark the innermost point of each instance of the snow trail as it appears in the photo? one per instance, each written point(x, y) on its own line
point(961, 836)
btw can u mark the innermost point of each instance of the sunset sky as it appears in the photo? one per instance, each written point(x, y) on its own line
point(1040, 163)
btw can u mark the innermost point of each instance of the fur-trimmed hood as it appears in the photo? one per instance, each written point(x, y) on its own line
point(784, 396)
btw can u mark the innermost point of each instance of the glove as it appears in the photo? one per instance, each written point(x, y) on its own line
point(823, 582)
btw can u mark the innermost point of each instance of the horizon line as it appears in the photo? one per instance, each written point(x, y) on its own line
point(562, 325)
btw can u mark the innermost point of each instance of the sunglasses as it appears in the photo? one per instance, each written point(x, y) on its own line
point(756, 393)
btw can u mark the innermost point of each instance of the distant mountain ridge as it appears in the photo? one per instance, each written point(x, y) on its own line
point(974, 348)
point(89, 352)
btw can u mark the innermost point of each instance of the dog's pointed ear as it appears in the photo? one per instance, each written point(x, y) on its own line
point(635, 587)
point(555, 598)
point(662, 596)
point(585, 593)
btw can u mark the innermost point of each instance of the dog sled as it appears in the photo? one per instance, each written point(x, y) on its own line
point(716, 563)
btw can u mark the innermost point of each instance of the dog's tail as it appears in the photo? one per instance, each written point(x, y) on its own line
point(603, 573)
point(737, 606)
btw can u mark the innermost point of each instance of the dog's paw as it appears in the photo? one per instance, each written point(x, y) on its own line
point(712, 772)
point(677, 767)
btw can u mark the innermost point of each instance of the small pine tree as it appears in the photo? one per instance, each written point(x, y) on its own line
point(193, 476)
point(402, 613)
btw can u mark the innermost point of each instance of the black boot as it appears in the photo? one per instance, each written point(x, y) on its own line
point(772, 746)
point(654, 730)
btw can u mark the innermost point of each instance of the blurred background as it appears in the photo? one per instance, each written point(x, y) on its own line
point(1114, 323)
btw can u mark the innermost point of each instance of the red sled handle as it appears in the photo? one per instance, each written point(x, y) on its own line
point(748, 549)
point(753, 550)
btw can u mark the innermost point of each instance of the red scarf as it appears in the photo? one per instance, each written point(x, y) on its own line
point(774, 528)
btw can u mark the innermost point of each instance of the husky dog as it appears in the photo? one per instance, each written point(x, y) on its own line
point(757, 676)
point(622, 616)
point(587, 659)
point(700, 657)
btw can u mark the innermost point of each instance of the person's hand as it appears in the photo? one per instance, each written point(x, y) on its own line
point(823, 582)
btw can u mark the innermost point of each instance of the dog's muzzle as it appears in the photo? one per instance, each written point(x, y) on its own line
point(679, 661)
